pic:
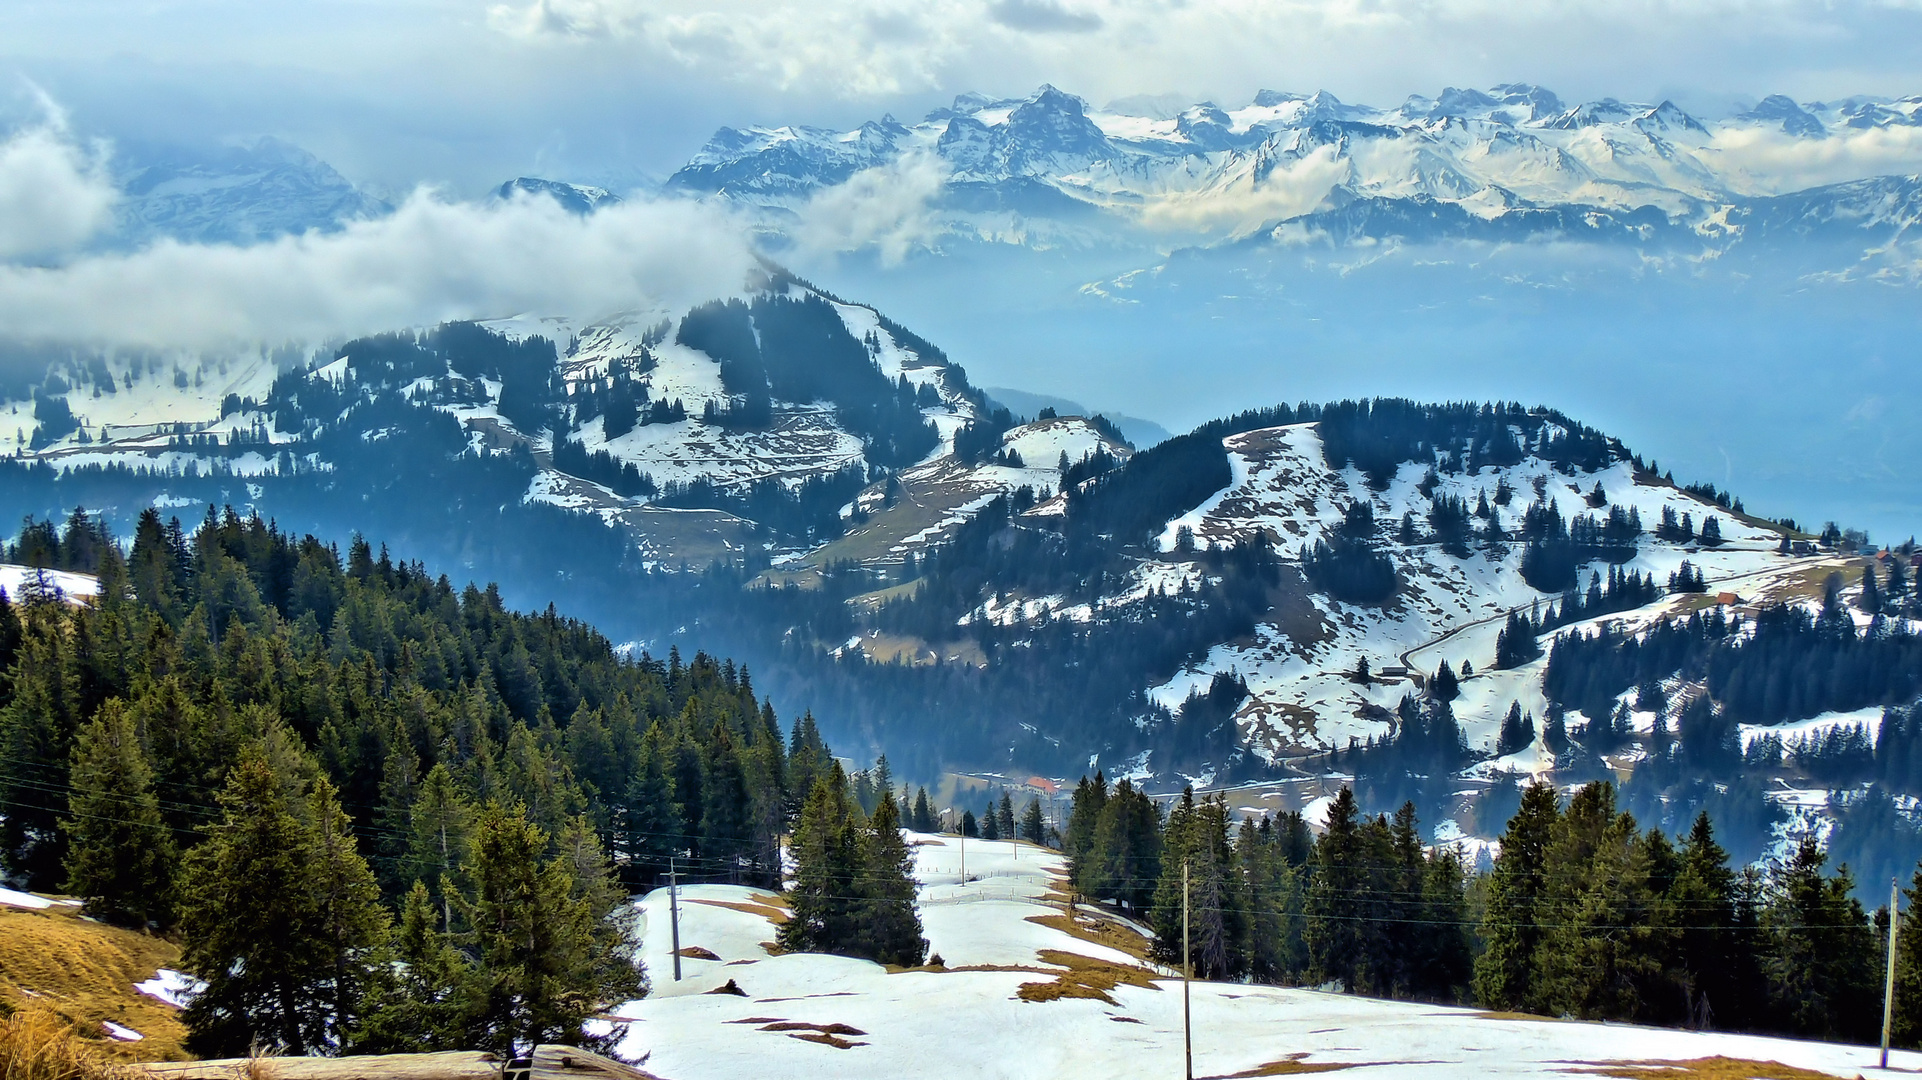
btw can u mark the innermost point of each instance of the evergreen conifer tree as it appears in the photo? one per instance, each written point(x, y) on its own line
point(1510, 928)
point(889, 926)
point(1004, 817)
point(279, 917)
point(1033, 825)
point(120, 854)
point(348, 918)
point(441, 826)
point(540, 937)
point(1077, 841)
point(1820, 958)
point(827, 857)
point(1908, 966)
point(419, 997)
point(1337, 889)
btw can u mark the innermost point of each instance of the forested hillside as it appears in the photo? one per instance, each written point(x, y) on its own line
point(1584, 914)
point(280, 751)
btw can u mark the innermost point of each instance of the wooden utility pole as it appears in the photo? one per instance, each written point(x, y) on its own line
point(674, 914)
point(964, 857)
point(1187, 972)
point(1888, 983)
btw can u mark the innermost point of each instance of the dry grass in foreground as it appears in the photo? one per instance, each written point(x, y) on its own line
point(38, 1044)
point(1707, 1068)
point(84, 973)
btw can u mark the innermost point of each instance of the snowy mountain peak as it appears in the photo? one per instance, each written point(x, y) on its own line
point(575, 198)
point(241, 192)
point(1782, 110)
point(1506, 162)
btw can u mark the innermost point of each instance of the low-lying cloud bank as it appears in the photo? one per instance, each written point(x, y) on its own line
point(431, 260)
point(54, 195)
point(889, 207)
point(1774, 163)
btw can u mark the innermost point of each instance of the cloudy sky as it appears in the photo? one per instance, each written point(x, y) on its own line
point(468, 92)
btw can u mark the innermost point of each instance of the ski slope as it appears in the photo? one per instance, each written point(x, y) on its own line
point(968, 1020)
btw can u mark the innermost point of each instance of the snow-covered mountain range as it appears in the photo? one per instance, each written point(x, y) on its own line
point(240, 193)
point(1508, 162)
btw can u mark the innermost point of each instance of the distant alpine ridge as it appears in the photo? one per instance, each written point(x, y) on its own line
point(1510, 162)
point(1513, 162)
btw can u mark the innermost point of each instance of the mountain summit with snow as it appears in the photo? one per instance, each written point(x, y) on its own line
point(1513, 159)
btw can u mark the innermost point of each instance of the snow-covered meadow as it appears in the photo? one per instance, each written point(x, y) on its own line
point(802, 1015)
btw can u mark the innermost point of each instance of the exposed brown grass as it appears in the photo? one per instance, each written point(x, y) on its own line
point(826, 1039)
point(37, 1043)
point(728, 987)
point(1501, 1015)
point(1292, 1065)
point(1084, 978)
point(84, 973)
point(695, 952)
point(762, 907)
point(801, 1025)
point(1096, 931)
point(1707, 1068)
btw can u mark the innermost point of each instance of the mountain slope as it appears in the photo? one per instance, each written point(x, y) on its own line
point(820, 491)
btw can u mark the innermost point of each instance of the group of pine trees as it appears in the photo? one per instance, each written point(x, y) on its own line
point(853, 890)
point(1584, 914)
point(380, 813)
point(999, 821)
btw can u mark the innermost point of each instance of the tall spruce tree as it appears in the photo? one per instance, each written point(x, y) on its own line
point(441, 826)
point(1198, 844)
point(120, 853)
point(348, 919)
point(1511, 929)
point(279, 920)
point(923, 814)
point(1033, 826)
point(545, 962)
point(1820, 958)
point(420, 996)
point(1908, 966)
point(1339, 887)
point(822, 901)
point(890, 927)
point(1078, 840)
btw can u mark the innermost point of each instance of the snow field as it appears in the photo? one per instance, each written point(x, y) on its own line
point(972, 1023)
point(14, 898)
point(15, 579)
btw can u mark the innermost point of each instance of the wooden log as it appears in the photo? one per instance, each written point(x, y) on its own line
point(547, 1062)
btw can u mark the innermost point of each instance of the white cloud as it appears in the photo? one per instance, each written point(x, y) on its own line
point(1287, 191)
point(1772, 162)
point(430, 261)
point(1105, 48)
point(887, 207)
point(54, 196)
